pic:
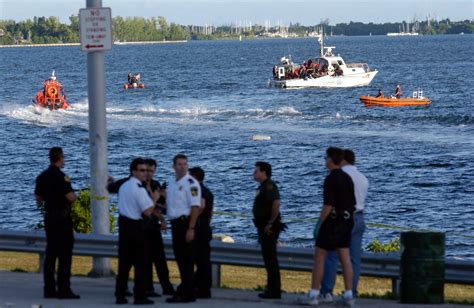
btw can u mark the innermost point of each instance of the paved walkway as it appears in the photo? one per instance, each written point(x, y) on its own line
point(18, 290)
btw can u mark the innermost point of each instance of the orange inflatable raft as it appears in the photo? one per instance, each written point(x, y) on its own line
point(416, 100)
point(51, 97)
point(133, 85)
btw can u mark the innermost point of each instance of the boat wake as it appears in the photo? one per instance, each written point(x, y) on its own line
point(75, 115)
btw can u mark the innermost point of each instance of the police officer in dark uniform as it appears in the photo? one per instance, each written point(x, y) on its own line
point(266, 212)
point(156, 248)
point(203, 274)
point(53, 188)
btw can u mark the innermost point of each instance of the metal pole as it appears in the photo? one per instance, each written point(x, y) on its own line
point(98, 150)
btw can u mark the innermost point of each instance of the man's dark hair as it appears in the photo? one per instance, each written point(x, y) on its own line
point(197, 173)
point(179, 156)
point(150, 162)
point(349, 156)
point(335, 154)
point(134, 164)
point(55, 154)
point(264, 167)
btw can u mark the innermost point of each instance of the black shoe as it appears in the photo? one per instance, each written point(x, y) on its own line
point(50, 295)
point(152, 294)
point(121, 301)
point(203, 294)
point(168, 292)
point(69, 295)
point(267, 295)
point(128, 293)
point(144, 301)
point(178, 299)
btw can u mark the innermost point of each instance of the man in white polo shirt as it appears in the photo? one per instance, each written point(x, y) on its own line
point(183, 200)
point(361, 187)
point(134, 203)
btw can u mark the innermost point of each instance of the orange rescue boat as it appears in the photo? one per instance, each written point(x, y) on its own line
point(52, 96)
point(416, 100)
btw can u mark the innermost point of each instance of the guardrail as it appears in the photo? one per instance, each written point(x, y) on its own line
point(290, 258)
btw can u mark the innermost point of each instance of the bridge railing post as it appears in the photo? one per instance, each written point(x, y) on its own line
point(216, 275)
point(396, 286)
point(41, 256)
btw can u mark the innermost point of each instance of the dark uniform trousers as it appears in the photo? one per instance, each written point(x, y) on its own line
point(59, 244)
point(132, 252)
point(184, 254)
point(269, 253)
point(203, 275)
point(156, 253)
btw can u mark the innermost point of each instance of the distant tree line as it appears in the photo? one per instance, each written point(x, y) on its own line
point(51, 30)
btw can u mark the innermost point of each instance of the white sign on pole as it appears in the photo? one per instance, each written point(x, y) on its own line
point(96, 29)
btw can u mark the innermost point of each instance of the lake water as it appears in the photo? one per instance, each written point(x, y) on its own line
point(208, 98)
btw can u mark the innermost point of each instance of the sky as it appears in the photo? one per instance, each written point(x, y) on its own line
point(224, 12)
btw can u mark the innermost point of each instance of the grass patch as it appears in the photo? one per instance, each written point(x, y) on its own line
point(237, 277)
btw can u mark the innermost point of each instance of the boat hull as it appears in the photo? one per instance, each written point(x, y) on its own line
point(394, 102)
point(346, 81)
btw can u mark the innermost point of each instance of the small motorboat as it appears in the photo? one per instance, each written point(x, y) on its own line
point(133, 82)
point(52, 95)
point(416, 100)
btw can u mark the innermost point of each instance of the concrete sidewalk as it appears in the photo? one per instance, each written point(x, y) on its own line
point(25, 289)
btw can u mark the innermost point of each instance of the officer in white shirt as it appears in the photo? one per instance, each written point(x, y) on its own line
point(134, 203)
point(361, 187)
point(183, 200)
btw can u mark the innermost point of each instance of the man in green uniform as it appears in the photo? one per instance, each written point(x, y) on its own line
point(53, 188)
point(266, 212)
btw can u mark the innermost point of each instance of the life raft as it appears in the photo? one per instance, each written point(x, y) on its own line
point(133, 85)
point(394, 102)
point(51, 97)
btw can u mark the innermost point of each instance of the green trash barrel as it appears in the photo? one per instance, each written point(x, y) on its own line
point(422, 268)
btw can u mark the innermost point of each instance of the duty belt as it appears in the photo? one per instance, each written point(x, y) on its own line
point(341, 214)
point(180, 219)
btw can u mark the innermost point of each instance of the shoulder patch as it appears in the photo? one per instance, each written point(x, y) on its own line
point(194, 191)
point(67, 179)
point(191, 181)
point(269, 186)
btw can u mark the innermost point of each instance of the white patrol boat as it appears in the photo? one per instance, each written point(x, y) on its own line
point(326, 71)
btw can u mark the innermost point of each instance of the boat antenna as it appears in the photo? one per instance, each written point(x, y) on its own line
point(321, 40)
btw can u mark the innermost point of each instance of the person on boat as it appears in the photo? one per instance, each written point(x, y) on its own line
point(275, 71)
point(398, 91)
point(380, 94)
point(137, 78)
point(339, 71)
point(129, 77)
point(302, 71)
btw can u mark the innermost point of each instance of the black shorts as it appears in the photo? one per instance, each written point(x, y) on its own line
point(335, 233)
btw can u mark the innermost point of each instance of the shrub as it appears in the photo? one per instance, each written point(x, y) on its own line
point(377, 247)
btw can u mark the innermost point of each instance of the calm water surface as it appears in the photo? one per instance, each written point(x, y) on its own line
point(208, 98)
